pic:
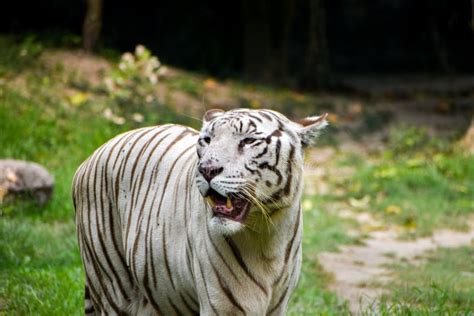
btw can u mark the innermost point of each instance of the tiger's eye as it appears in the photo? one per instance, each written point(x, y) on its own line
point(207, 140)
point(248, 141)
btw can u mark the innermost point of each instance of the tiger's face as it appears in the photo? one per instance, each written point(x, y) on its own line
point(250, 164)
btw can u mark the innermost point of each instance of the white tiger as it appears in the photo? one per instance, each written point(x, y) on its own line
point(163, 230)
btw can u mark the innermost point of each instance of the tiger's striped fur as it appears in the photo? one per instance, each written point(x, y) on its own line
point(151, 244)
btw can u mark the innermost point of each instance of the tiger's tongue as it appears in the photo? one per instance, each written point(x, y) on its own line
point(222, 205)
point(223, 209)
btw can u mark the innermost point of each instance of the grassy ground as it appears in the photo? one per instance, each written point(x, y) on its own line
point(52, 116)
point(418, 182)
point(40, 268)
point(442, 284)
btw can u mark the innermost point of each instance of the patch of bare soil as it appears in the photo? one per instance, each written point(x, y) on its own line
point(361, 270)
point(86, 65)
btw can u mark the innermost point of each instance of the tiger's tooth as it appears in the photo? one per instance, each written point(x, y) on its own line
point(210, 201)
point(229, 203)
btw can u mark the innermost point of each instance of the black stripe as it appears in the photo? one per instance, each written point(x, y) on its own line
point(165, 256)
point(279, 301)
point(153, 274)
point(225, 289)
point(290, 276)
point(205, 288)
point(174, 307)
point(255, 117)
point(264, 151)
point(102, 243)
point(148, 187)
point(288, 247)
point(238, 257)
point(188, 306)
point(89, 310)
point(120, 150)
point(220, 255)
point(98, 271)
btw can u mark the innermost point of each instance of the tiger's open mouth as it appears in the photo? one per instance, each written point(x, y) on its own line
point(230, 206)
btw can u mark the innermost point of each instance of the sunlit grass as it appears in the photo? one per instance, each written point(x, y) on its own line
point(40, 267)
point(442, 285)
point(323, 231)
point(417, 184)
point(420, 187)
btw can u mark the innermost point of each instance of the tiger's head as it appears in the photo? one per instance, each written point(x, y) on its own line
point(251, 163)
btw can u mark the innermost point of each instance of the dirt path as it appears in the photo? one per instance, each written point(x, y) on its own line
point(360, 270)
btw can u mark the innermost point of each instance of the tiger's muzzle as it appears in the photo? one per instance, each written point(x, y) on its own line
point(232, 206)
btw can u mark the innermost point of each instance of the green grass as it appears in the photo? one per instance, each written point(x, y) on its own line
point(40, 268)
point(186, 83)
point(41, 272)
point(323, 231)
point(417, 183)
point(443, 285)
point(17, 53)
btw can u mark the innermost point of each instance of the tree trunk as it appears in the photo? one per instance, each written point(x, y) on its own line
point(256, 38)
point(472, 15)
point(281, 27)
point(316, 74)
point(266, 36)
point(92, 25)
point(439, 45)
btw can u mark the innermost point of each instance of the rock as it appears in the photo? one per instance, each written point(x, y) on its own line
point(23, 179)
point(467, 142)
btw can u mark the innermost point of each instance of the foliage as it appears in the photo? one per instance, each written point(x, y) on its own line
point(132, 83)
point(186, 84)
point(17, 53)
point(405, 139)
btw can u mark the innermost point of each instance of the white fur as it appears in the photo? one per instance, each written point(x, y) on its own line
point(165, 225)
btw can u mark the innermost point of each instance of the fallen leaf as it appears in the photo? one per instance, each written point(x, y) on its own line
point(255, 104)
point(333, 118)
point(307, 204)
point(360, 203)
point(393, 209)
point(210, 84)
point(415, 162)
point(78, 98)
point(410, 223)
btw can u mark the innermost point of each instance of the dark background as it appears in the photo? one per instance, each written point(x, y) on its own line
point(371, 37)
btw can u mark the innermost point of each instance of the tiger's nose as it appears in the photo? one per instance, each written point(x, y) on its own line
point(209, 171)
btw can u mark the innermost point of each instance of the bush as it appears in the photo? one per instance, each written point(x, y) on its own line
point(131, 85)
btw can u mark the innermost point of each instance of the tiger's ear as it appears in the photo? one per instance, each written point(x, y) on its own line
point(211, 114)
point(311, 128)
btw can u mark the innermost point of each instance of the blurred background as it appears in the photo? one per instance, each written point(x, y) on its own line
point(389, 196)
